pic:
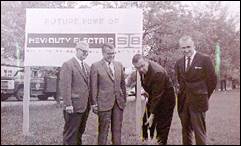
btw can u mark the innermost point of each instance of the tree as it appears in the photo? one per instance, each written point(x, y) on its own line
point(215, 26)
point(164, 23)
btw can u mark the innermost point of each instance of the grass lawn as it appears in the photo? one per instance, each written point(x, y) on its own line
point(46, 123)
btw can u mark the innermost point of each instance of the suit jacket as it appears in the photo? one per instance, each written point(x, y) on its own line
point(198, 82)
point(74, 85)
point(104, 88)
point(158, 85)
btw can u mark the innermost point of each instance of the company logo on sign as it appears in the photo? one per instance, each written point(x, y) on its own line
point(128, 40)
point(68, 40)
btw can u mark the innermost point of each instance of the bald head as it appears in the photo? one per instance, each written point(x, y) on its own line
point(81, 45)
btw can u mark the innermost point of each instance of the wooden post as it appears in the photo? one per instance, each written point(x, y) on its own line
point(138, 106)
point(26, 99)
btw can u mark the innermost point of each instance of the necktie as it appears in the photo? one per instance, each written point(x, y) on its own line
point(188, 63)
point(142, 78)
point(111, 72)
point(83, 68)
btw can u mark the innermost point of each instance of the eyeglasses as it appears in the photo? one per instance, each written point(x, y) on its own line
point(84, 51)
point(111, 53)
point(187, 47)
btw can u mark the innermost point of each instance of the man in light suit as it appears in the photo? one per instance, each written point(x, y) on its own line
point(161, 97)
point(108, 95)
point(197, 81)
point(74, 88)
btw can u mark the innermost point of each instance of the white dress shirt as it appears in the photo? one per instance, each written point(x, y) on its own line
point(79, 61)
point(186, 60)
point(111, 67)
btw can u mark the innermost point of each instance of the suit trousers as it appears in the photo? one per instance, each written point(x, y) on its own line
point(113, 117)
point(162, 117)
point(74, 127)
point(193, 121)
point(163, 124)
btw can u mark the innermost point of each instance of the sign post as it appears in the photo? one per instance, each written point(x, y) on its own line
point(138, 106)
point(26, 99)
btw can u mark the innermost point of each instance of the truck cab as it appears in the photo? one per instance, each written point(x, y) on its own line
point(42, 85)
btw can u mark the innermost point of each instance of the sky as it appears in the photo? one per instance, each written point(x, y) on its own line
point(233, 6)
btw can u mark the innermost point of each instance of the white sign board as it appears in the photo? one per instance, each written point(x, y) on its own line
point(51, 34)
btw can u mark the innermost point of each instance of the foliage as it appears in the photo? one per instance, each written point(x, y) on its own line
point(164, 23)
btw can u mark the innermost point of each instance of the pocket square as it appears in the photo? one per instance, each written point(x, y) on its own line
point(198, 67)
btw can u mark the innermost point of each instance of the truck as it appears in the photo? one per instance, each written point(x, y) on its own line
point(42, 85)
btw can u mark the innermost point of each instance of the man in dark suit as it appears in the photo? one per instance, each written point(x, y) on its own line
point(161, 95)
point(74, 88)
point(108, 95)
point(197, 81)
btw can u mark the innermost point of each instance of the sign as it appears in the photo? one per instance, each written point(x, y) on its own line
point(51, 34)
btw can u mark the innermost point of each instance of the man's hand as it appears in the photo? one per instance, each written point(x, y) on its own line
point(95, 108)
point(69, 109)
point(145, 94)
point(150, 120)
